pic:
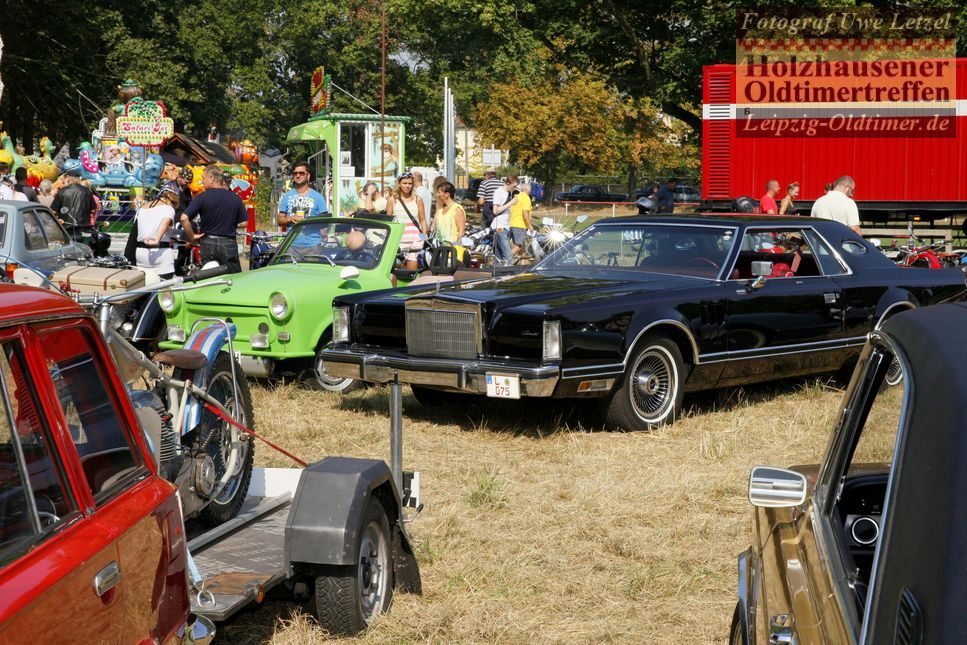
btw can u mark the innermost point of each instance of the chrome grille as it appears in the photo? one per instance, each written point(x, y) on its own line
point(443, 329)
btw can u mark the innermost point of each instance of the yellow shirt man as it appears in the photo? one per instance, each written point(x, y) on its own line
point(518, 219)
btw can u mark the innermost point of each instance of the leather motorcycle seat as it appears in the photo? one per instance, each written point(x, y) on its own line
point(186, 359)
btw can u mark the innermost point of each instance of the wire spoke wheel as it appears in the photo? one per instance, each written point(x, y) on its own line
point(650, 393)
point(653, 381)
point(225, 444)
point(894, 373)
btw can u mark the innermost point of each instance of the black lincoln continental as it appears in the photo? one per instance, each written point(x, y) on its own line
point(639, 311)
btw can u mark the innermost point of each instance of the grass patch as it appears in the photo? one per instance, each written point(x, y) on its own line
point(540, 527)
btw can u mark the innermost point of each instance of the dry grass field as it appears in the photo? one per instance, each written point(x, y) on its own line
point(541, 527)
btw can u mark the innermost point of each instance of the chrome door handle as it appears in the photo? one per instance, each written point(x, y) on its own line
point(107, 578)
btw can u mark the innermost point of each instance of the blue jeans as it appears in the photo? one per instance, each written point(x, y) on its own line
point(223, 250)
point(502, 247)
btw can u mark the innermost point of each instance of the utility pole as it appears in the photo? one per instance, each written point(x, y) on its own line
point(382, 99)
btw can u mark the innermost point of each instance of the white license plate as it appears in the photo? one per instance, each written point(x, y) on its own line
point(503, 386)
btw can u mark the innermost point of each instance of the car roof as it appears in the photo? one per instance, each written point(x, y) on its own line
point(17, 205)
point(727, 219)
point(20, 303)
point(922, 545)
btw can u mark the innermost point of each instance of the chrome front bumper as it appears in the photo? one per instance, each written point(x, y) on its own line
point(454, 374)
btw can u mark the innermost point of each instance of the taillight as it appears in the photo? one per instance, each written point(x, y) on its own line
point(11, 267)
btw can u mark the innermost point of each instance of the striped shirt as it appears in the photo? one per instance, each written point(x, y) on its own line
point(487, 188)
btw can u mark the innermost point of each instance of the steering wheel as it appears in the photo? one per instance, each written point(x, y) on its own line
point(701, 263)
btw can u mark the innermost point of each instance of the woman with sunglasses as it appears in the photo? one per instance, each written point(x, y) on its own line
point(301, 201)
point(408, 209)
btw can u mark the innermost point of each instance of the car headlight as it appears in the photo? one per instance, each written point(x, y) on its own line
point(278, 306)
point(168, 301)
point(552, 340)
point(340, 324)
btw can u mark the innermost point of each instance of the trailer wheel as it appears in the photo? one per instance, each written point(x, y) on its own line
point(349, 597)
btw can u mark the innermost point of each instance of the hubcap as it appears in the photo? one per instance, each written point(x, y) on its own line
point(655, 381)
point(373, 571)
point(329, 382)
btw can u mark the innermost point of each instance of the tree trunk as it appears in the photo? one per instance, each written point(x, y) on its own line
point(632, 181)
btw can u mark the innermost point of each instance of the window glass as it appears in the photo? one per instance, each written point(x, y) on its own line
point(783, 253)
point(829, 263)
point(34, 238)
point(103, 442)
point(882, 418)
point(56, 237)
point(679, 250)
point(21, 432)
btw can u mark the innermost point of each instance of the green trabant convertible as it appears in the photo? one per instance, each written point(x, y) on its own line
point(283, 311)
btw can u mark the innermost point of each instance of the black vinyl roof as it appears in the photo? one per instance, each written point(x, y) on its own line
point(924, 545)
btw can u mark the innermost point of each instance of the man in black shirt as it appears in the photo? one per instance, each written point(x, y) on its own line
point(23, 186)
point(221, 212)
point(74, 204)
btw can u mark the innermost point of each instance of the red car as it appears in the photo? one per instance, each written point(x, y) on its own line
point(92, 543)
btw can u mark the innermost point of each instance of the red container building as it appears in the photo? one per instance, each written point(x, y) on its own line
point(897, 176)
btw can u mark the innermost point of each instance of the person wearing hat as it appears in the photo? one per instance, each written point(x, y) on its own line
point(183, 181)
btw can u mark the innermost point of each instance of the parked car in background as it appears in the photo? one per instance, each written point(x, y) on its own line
point(637, 312)
point(30, 235)
point(92, 544)
point(868, 547)
point(589, 193)
point(473, 186)
point(684, 193)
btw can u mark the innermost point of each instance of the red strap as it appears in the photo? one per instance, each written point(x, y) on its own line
point(224, 417)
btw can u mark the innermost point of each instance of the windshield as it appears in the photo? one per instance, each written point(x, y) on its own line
point(678, 249)
point(335, 243)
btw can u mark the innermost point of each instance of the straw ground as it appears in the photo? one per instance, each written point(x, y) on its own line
point(541, 527)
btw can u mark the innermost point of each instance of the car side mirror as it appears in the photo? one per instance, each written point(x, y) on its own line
point(349, 273)
point(547, 221)
point(580, 219)
point(771, 487)
point(875, 241)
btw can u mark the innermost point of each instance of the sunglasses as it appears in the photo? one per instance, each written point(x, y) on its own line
point(406, 175)
point(298, 173)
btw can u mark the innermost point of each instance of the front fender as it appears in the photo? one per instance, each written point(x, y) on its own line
point(674, 323)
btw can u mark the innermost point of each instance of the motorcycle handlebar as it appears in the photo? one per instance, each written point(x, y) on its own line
point(203, 274)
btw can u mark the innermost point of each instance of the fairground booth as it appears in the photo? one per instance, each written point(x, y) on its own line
point(350, 149)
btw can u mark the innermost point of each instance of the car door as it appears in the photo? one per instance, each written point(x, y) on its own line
point(788, 323)
point(57, 566)
point(37, 251)
point(58, 239)
point(133, 507)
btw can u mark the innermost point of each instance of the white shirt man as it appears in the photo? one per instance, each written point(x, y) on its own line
point(838, 204)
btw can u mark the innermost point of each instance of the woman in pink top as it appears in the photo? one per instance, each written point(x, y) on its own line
point(407, 209)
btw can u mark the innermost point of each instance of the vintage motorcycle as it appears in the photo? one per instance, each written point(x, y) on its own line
point(193, 406)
